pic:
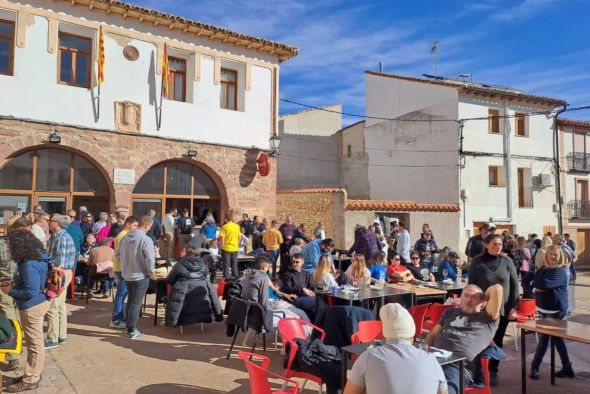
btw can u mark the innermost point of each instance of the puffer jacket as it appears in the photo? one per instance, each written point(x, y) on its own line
point(193, 299)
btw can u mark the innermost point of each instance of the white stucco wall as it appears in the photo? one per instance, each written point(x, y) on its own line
point(308, 161)
point(415, 158)
point(354, 175)
point(483, 201)
point(318, 122)
point(35, 93)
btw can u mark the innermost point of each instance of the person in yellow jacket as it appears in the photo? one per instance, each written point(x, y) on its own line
point(229, 242)
point(272, 240)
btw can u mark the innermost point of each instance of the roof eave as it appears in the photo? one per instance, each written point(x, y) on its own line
point(282, 51)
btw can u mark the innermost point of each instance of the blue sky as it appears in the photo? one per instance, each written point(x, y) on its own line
point(540, 46)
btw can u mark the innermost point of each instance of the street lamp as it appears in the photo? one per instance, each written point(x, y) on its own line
point(275, 142)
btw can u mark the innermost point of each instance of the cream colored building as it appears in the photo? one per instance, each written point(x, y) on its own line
point(574, 142)
point(65, 141)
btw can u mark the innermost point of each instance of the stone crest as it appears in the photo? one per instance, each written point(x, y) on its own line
point(127, 116)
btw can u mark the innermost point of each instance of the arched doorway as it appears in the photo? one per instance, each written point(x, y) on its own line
point(176, 184)
point(56, 179)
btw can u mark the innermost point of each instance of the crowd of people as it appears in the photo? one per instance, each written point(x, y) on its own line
point(291, 265)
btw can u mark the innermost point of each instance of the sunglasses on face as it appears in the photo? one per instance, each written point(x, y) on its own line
point(397, 259)
point(415, 258)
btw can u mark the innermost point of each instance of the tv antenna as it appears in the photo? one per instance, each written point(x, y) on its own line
point(434, 49)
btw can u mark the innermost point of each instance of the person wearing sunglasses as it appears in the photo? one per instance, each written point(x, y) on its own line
point(397, 272)
point(418, 269)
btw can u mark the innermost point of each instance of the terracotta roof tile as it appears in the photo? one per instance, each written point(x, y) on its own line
point(316, 190)
point(473, 87)
point(284, 52)
point(578, 123)
point(406, 206)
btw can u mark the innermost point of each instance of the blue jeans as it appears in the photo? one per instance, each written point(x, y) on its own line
point(573, 275)
point(118, 310)
point(307, 304)
point(275, 257)
point(137, 290)
point(451, 372)
point(544, 342)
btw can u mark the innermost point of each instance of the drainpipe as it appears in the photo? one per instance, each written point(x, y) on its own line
point(558, 169)
point(508, 150)
point(508, 167)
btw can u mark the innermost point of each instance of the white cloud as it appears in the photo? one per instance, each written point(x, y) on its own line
point(526, 9)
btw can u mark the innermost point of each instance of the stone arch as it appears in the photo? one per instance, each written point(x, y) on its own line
point(92, 159)
point(211, 167)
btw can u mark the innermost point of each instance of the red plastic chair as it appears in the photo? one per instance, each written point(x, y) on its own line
point(418, 313)
point(486, 378)
point(259, 375)
point(527, 311)
point(291, 328)
point(368, 331)
point(434, 313)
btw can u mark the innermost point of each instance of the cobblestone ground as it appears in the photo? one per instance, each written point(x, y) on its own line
point(97, 359)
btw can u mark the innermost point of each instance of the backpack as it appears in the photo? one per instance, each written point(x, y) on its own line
point(56, 281)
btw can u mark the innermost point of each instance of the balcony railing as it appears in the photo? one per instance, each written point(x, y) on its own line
point(578, 162)
point(579, 209)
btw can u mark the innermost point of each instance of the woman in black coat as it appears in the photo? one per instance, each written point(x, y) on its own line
point(193, 298)
point(490, 268)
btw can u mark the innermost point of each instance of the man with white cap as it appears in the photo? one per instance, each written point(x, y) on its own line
point(468, 330)
point(397, 366)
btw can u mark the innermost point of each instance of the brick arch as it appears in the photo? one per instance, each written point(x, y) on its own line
point(96, 160)
point(211, 167)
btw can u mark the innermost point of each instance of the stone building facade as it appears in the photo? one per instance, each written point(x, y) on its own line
point(340, 214)
point(66, 140)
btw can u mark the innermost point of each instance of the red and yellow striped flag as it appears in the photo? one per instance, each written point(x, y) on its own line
point(165, 73)
point(101, 57)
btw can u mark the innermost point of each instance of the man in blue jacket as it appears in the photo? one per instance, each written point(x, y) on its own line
point(314, 250)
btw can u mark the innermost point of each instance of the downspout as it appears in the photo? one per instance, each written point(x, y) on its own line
point(557, 169)
point(508, 168)
point(508, 150)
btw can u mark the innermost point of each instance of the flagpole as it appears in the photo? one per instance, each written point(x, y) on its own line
point(98, 103)
point(161, 101)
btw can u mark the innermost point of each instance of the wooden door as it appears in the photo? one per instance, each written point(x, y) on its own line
point(583, 247)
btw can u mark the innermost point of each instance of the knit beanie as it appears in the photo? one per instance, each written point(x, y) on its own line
point(397, 322)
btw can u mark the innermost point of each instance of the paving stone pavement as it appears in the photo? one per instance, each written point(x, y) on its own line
point(97, 359)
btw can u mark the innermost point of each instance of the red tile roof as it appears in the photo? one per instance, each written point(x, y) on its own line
point(405, 206)
point(577, 123)
point(284, 52)
point(475, 88)
point(316, 190)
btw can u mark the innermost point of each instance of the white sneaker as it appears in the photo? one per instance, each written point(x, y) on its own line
point(118, 324)
point(134, 335)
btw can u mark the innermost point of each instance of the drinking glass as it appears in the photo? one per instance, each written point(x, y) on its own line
point(445, 273)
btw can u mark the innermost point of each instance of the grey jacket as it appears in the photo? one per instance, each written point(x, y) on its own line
point(136, 255)
point(255, 288)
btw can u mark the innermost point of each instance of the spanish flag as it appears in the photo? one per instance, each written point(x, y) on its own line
point(101, 57)
point(165, 73)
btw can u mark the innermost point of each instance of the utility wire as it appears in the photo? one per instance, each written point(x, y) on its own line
point(534, 113)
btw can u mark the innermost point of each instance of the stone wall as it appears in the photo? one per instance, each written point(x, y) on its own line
point(232, 169)
point(315, 205)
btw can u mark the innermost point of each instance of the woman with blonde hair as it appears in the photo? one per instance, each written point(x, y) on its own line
point(322, 277)
point(358, 273)
point(552, 302)
point(540, 255)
